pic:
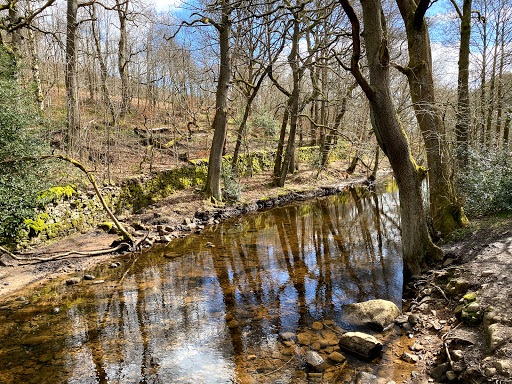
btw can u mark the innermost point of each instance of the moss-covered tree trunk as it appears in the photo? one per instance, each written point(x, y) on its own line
point(416, 242)
point(446, 211)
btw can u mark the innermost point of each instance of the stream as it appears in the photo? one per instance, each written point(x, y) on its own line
point(210, 308)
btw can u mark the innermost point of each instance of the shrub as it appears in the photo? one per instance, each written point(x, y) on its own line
point(20, 182)
point(487, 184)
point(266, 123)
point(232, 187)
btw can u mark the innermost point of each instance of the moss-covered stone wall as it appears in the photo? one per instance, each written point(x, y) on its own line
point(64, 210)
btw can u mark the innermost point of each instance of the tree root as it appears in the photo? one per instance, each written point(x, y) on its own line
point(70, 254)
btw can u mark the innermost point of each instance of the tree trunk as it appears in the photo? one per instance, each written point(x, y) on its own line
point(294, 113)
point(73, 118)
point(280, 145)
point(499, 97)
point(489, 138)
point(122, 57)
point(416, 242)
point(103, 68)
point(483, 81)
point(463, 126)
point(34, 61)
point(445, 210)
point(213, 187)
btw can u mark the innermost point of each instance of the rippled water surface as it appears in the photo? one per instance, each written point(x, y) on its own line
point(195, 313)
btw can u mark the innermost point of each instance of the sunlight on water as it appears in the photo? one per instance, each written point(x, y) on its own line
point(189, 313)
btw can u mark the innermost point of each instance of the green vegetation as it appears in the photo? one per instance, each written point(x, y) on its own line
point(487, 184)
point(21, 182)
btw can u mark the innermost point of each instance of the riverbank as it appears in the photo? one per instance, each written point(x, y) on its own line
point(178, 215)
point(454, 334)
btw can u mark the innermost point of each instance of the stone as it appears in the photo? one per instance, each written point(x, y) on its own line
point(45, 358)
point(473, 307)
point(251, 357)
point(96, 282)
point(337, 357)
point(287, 336)
point(316, 346)
point(496, 335)
point(55, 310)
point(314, 361)
point(73, 280)
point(115, 264)
point(330, 337)
point(413, 319)
point(450, 375)
point(504, 367)
point(317, 326)
point(457, 355)
point(361, 344)
point(486, 273)
point(490, 371)
point(304, 338)
point(457, 286)
point(163, 239)
point(439, 371)
point(376, 313)
point(89, 277)
point(409, 358)
point(21, 298)
point(366, 378)
point(232, 324)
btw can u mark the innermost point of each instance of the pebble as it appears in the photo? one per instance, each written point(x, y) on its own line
point(457, 355)
point(336, 357)
point(450, 375)
point(473, 307)
point(232, 324)
point(96, 282)
point(317, 326)
point(55, 310)
point(115, 264)
point(489, 372)
point(409, 358)
point(73, 281)
point(486, 273)
point(89, 277)
point(414, 319)
point(21, 298)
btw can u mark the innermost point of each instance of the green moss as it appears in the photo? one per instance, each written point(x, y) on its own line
point(57, 194)
point(469, 297)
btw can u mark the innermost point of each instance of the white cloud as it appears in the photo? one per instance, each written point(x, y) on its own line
point(167, 5)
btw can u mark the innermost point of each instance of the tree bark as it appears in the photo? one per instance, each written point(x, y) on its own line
point(122, 57)
point(463, 125)
point(445, 210)
point(73, 118)
point(294, 113)
point(417, 245)
point(213, 187)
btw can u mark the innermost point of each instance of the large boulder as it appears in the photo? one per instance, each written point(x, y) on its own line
point(375, 313)
point(364, 346)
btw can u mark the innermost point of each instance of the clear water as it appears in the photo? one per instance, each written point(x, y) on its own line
point(191, 313)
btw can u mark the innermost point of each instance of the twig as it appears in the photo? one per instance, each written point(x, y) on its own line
point(442, 292)
point(278, 369)
point(9, 253)
point(448, 354)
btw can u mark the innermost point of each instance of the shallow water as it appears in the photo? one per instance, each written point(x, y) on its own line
point(194, 313)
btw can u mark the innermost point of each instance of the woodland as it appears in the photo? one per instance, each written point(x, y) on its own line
point(423, 87)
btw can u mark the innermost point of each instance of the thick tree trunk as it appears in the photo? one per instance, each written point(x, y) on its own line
point(213, 187)
point(416, 242)
point(463, 126)
point(73, 118)
point(446, 211)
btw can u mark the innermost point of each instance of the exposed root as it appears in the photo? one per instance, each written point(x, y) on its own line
point(70, 254)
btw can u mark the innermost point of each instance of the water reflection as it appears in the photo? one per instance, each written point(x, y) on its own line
point(189, 313)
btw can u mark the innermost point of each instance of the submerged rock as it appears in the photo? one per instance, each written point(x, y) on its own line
point(361, 344)
point(366, 378)
point(314, 361)
point(376, 313)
